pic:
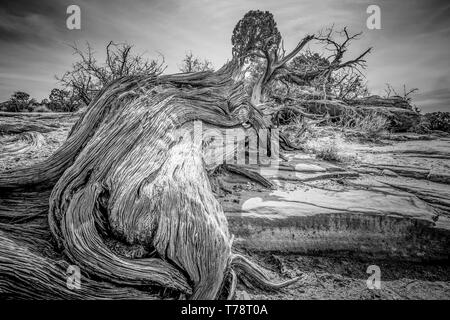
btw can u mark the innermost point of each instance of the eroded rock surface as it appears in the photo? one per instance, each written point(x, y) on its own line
point(391, 207)
point(394, 202)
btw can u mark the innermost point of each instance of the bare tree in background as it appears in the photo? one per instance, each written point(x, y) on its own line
point(191, 63)
point(390, 91)
point(88, 75)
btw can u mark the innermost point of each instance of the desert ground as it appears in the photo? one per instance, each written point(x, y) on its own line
point(384, 202)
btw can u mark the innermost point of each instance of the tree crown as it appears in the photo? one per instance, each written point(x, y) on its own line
point(255, 33)
point(20, 96)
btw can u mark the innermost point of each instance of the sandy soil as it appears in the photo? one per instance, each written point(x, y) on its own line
point(345, 277)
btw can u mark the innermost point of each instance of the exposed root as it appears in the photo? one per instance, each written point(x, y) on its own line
point(26, 274)
point(233, 284)
point(252, 175)
point(84, 246)
point(254, 276)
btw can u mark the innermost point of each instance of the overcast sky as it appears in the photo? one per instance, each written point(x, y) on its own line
point(411, 48)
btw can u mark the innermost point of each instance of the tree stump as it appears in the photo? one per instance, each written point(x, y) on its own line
point(127, 198)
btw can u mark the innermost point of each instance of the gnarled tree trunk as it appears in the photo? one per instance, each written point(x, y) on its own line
point(127, 198)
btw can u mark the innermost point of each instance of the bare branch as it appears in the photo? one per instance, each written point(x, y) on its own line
point(88, 76)
point(297, 49)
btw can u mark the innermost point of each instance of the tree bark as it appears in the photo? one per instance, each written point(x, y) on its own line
point(127, 197)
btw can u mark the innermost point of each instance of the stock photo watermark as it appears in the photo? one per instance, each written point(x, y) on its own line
point(235, 145)
point(73, 281)
point(374, 280)
point(73, 21)
point(374, 19)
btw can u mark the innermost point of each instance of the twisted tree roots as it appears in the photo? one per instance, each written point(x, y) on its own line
point(127, 198)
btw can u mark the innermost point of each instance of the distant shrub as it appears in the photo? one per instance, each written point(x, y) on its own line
point(371, 125)
point(299, 130)
point(423, 127)
point(59, 101)
point(63, 101)
point(437, 121)
point(41, 108)
point(19, 102)
point(15, 106)
point(329, 149)
point(328, 152)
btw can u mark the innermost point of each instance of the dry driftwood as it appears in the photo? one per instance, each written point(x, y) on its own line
point(127, 198)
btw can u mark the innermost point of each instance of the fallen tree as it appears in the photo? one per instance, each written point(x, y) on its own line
point(127, 198)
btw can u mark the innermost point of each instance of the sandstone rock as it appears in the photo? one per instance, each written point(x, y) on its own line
point(400, 119)
point(396, 110)
point(377, 101)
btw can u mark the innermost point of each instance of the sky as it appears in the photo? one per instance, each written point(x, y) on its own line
point(411, 48)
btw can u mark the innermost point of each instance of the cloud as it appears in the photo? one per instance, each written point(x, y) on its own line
point(434, 100)
point(411, 48)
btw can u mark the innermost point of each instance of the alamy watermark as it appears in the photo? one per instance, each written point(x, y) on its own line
point(374, 19)
point(73, 280)
point(374, 280)
point(73, 21)
point(236, 145)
